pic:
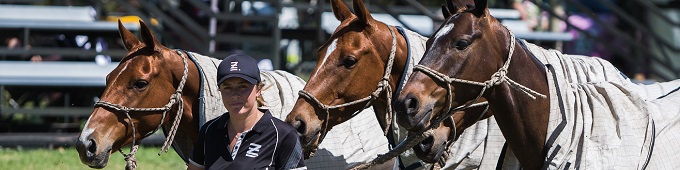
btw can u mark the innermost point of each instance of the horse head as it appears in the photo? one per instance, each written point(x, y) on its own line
point(432, 148)
point(147, 77)
point(351, 65)
point(459, 48)
point(468, 60)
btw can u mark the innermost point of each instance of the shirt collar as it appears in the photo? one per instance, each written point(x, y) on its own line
point(258, 127)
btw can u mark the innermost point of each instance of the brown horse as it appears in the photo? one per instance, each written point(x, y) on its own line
point(351, 74)
point(146, 78)
point(142, 94)
point(471, 46)
point(556, 111)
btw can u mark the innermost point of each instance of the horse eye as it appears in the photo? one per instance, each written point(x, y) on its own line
point(349, 62)
point(140, 84)
point(462, 44)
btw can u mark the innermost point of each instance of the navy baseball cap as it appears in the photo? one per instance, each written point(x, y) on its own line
point(238, 65)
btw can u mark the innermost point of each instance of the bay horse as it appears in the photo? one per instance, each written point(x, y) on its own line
point(155, 87)
point(556, 111)
point(362, 63)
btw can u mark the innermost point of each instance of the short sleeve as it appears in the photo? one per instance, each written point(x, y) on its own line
point(289, 154)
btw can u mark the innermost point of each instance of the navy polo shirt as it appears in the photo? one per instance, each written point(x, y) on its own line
point(270, 144)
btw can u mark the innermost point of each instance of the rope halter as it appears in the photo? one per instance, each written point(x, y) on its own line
point(383, 85)
point(499, 77)
point(175, 98)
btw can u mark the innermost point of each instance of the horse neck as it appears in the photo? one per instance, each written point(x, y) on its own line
point(523, 120)
point(188, 126)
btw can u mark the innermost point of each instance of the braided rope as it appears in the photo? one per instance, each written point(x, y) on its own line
point(180, 106)
point(497, 78)
point(410, 141)
point(407, 144)
point(383, 85)
point(130, 160)
point(175, 98)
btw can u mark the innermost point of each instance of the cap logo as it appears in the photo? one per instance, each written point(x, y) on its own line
point(234, 66)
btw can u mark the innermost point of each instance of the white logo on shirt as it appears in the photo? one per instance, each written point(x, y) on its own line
point(253, 150)
point(234, 66)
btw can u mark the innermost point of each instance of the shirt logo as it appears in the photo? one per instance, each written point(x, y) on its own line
point(234, 66)
point(253, 150)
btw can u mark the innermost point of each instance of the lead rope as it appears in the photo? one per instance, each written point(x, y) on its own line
point(176, 98)
point(180, 107)
point(407, 144)
point(446, 153)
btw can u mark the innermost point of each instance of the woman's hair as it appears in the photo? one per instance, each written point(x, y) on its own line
point(260, 100)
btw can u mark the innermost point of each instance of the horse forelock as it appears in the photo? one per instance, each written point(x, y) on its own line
point(134, 52)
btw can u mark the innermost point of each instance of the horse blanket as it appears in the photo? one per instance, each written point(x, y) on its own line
point(347, 144)
point(354, 141)
point(599, 119)
point(478, 147)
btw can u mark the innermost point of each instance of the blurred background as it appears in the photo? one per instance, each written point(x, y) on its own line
point(54, 54)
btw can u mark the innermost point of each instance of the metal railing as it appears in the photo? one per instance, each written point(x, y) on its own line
point(648, 54)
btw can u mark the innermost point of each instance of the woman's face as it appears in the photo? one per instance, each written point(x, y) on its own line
point(238, 95)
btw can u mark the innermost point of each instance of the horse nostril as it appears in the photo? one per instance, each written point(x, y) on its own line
point(426, 144)
point(92, 148)
point(300, 126)
point(411, 105)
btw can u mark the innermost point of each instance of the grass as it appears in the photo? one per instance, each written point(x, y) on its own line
point(67, 158)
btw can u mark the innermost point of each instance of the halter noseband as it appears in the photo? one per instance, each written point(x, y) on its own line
point(175, 98)
point(497, 78)
point(383, 85)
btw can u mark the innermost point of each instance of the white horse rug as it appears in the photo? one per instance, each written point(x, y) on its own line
point(599, 119)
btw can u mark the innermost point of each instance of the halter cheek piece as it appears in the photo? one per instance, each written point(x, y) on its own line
point(497, 78)
point(383, 85)
point(175, 98)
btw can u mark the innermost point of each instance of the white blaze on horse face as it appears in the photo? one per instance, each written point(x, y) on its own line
point(87, 131)
point(329, 50)
point(445, 30)
point(122, 70)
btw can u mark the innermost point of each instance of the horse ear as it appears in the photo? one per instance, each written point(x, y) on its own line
point(147, 36)
point(361, 11)
point(340, 10)
point(129, 39)
point(456, 6)
point(479, 8)
point(445, 12)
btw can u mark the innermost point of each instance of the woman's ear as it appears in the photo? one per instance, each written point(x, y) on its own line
point(260, 88)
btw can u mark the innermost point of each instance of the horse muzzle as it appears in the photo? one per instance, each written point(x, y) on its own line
point(411, 114)
point(310, 143)
point(428, 150)
point(89, 154)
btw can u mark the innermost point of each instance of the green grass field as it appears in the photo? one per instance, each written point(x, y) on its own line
point(67, 158)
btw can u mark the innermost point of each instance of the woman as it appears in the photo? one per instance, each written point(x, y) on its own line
point(246, 137)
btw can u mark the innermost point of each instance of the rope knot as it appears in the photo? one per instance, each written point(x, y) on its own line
point(130, 162)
